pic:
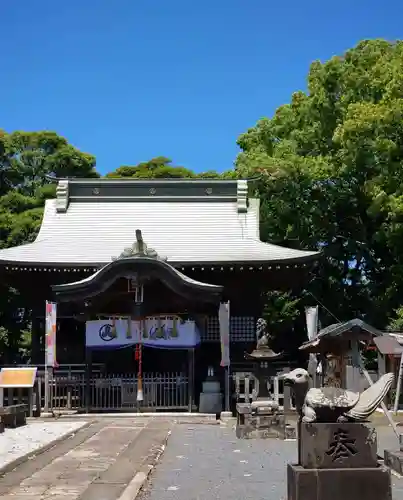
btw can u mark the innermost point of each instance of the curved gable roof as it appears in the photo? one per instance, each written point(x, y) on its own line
point(122, 267)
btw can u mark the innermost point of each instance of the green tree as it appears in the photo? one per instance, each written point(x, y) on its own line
point(27, 161)
point(27, 158)
point(396, 322)
point(330, 166)
point(159, 167)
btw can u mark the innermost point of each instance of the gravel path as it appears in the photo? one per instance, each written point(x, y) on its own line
point(14, 443)
point(208, 462)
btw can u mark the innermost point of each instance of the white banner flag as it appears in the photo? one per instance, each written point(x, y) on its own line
point(311, 315)
point(312, 319)
point(223, 317)
point(50, 335)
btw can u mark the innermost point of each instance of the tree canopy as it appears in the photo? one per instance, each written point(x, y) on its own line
point(331, 176)
point(162, 168)
point(27, 159)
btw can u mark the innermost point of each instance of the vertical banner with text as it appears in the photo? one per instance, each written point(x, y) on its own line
point(312, 322)
point(224, 320)
point(50, 335)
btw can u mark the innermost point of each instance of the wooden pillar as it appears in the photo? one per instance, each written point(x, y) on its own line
point(88, 376)
point(381, 364)
point(227, 389)
point(225, 331)
point(36, 341)
point(286, 394)
point(38, 333)
point(191, 378)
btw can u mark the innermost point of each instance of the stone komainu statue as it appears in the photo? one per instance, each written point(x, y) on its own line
point(332, 404)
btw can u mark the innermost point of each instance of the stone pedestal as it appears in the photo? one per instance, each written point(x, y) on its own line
point(334, 446)
point(260, 419)
point(338, 461)
point(210, 397)
point(369, 483)
point(394, 458)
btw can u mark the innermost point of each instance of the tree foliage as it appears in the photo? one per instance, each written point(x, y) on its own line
point(159, 167)
point(331, 176)
point(162, 168)
point(27, 161)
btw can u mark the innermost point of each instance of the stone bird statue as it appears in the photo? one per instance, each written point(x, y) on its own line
point(332, 404)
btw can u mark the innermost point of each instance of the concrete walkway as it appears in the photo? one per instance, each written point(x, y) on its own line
point(97, 463)
point(209, 463)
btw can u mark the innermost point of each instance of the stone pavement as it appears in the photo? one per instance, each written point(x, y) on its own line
point(208, 462)
point(200, 462)
point(97, 463)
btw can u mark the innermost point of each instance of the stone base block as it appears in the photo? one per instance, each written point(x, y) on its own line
point(369, 483)
point(394, 460)
point(226, 415)
point(210, 402)
point(337, 445)
point(211, 387)
point(261, 427)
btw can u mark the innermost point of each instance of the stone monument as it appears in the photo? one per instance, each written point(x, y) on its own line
point(337, 447)
point(211, 396)
point(261, 418)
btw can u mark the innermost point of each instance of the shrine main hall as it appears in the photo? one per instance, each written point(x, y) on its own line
point(132, 261)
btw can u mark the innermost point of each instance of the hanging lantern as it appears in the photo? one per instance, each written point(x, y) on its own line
point(139, 294)
point(132, 283)
point(140, 396)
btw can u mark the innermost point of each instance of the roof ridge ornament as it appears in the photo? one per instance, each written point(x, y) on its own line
point(139, 249)
point(62, 196)
point(242, 196)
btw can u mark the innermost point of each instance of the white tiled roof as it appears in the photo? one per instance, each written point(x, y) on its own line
point(184, 232)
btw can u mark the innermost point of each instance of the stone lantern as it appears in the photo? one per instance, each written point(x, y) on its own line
point(263, 358)
point(262, 417)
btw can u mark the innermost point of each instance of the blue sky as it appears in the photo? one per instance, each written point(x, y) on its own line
point(127, 80)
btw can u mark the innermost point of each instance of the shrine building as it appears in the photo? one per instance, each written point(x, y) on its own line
point(148, 262)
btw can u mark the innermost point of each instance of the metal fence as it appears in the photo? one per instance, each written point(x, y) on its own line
point(161, 391)
point(118, 392)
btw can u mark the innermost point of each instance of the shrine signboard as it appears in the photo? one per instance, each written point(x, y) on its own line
point(17, 377)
